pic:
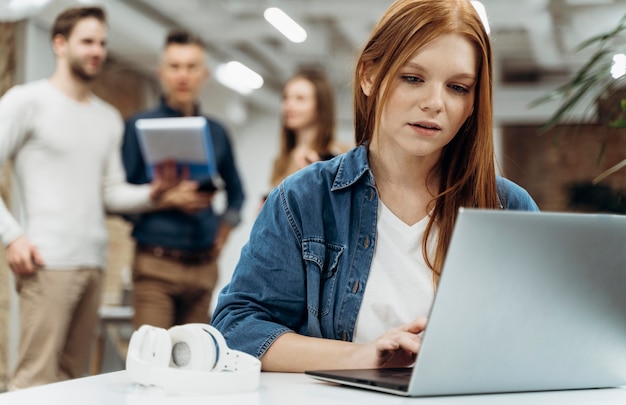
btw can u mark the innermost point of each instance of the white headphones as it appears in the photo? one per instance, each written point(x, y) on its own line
point(189, 359)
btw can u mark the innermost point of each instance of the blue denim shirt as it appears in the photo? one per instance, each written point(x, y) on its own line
point(305, 266)
point(174, 228)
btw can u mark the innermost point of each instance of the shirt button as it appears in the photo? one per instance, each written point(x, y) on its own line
point(355, 287)
point(367, 242)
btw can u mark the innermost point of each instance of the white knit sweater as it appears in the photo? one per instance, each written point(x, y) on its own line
point(67, 172)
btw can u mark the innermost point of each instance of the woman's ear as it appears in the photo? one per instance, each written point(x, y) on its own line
point(367, 79)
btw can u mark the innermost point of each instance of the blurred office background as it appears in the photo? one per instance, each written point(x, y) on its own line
point(534, 46)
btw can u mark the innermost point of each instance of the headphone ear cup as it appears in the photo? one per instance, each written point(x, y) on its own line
point(222, 351)
point(192, 348)
point(151, 345)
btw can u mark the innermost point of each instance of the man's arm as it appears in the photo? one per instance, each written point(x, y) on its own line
point(227, 169)
point(119, 195)
point(15, 117)
point(166, 191)
point(221, 237)
point(15, 113)
point(179, 193)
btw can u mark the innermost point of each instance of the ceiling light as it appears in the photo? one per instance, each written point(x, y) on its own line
point(285, 24)
point(238, 77)
point(618, 69)
point(480, 8)
point(14, 10)
point(588, 2)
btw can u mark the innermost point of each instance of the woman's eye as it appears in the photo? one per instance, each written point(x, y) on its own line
point(411, 79)
point(459, 89)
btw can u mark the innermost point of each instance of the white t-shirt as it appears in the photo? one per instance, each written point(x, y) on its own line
point(67, 169)
point(400, 284)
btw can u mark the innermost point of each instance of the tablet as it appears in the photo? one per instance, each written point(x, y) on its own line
point(187, 140)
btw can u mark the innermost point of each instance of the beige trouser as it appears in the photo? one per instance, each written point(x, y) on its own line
point(58, 321)
point(167, 292)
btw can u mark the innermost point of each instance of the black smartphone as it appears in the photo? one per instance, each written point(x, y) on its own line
point(207, 186)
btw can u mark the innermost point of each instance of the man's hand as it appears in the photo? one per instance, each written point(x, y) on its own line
point(23, 258)
point(165, 178)
point(185, 197)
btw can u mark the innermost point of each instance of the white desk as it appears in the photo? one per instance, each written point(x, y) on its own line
point(277, 389)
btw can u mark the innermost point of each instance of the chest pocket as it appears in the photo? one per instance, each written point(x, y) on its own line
point(322, 263)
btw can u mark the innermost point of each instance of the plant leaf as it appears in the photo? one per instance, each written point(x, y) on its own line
point(595, 70)
point(602, 39)
point(609, 172)
point(571, 101)
point(618, 123)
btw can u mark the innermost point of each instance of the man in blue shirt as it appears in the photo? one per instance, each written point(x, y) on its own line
point(175, 264)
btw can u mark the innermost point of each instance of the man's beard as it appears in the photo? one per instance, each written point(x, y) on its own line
point(79, 71)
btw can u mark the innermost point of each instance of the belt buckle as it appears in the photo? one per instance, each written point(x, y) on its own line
point(199, 258)
point(158, 251)
point(177, 254)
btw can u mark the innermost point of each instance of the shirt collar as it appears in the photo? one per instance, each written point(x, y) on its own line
point(171, 112)
point(352, 167)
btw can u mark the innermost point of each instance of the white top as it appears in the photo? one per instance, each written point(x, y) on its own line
point(400, 284)
point(67, 169)
point(279, 389)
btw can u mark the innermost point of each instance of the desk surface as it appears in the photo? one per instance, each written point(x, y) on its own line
point(280, 388)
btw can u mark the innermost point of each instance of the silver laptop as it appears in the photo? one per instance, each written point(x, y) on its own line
point(526, 302)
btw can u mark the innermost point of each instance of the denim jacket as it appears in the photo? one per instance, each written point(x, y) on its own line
point(305, 266)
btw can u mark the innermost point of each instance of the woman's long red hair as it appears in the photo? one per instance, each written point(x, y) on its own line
point(466, 167)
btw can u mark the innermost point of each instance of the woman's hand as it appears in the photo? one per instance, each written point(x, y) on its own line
point(303, 156)
point(398, 347)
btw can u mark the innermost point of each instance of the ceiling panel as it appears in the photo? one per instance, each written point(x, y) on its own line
point(533, 40)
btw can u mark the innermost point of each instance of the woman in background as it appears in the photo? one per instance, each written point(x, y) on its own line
point(308, 124)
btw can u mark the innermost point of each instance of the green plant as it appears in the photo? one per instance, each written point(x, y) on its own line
point(618, 123)
point(591, 81)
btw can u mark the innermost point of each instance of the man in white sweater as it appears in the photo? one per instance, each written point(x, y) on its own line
point(64, 143)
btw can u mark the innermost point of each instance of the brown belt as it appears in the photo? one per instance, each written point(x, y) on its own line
point(183, 256)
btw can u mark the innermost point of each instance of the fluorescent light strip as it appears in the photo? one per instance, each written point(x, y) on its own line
point(285, 24)
point(618, 69)
point(238, 77)
point(27, 3)
point(14, 10)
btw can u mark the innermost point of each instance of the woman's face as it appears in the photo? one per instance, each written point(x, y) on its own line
point(430, 98)
point(299, 105)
